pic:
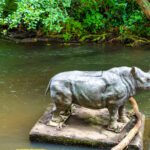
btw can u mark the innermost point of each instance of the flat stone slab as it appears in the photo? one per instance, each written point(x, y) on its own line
point(85, 127)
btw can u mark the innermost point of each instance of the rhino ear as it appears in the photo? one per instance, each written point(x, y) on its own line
point(133, 72)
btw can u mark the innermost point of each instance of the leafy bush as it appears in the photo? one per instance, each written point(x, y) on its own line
point(138, 22)
point(48, 15)
point(122, 16)
point(72, 29)
point(94, 22)
point(9, 7)
point(2, 3)
point(74, 18)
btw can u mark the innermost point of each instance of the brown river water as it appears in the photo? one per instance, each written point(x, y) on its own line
point(25, 70)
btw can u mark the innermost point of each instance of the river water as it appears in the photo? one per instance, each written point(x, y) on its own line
point(25, 70)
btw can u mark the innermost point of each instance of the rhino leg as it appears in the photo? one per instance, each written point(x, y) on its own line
point(56, 115)
point(113, 124)
point(122, 114)
point(62, 107)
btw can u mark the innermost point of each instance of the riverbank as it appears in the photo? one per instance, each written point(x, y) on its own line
point(105, 38)
point(78, 21)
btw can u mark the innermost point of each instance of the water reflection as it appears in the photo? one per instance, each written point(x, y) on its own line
point(26, 69)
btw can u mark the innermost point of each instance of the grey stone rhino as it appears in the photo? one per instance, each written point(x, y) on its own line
point(97, 89)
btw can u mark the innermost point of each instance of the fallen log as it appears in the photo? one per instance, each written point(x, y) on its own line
point(126, 141)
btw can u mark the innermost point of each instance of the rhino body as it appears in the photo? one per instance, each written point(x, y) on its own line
point(97, 89)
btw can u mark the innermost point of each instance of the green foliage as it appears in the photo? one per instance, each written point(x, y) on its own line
point(48, 15)
point(73, 27)
point(6, 7)
point(122, 16)
point(138, 22)
point(74, 18)
point(2, 4)
point(9, 7)
point(94, 22)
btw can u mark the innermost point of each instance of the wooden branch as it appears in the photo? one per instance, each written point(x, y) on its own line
point(145, 6)
point(126, 141)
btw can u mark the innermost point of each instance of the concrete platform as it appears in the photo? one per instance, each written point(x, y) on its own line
point(85, 127)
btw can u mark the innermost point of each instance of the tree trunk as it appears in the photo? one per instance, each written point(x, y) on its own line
point(145, 6)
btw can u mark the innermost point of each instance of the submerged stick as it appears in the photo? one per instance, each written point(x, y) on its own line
point(126, 141)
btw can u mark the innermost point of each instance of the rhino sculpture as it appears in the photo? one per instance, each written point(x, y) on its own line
point(97, 89)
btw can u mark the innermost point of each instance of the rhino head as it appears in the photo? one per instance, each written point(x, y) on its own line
point(142, 79)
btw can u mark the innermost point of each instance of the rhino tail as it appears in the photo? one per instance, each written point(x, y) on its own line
point(48, 87)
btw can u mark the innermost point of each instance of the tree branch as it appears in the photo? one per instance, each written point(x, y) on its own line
point(145, 6)
point(126, 141)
